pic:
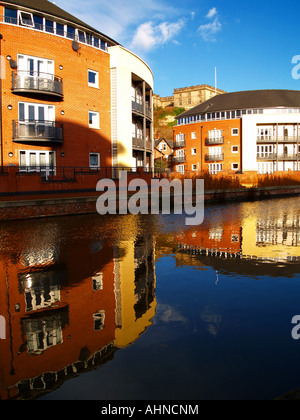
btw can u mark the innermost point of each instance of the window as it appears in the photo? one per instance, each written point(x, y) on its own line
point(265, 168)
point(70, 32)
point(34, 161)
point(35, 66)
point(215, 134)
point(60, 29)
point(26, 19)
point(163, 146)
point(194, 167)
point(98, 281)
point(49, 27)
point(215, 151)
point(235, 238)
point(99, 318)
point(81, 36)
point(180, 138)
point(94, 121)
point(95, 160)
point(194, 136)
point(93, 78)
point(235, 132)
point(38, 22)
point(10, 16)
point(235, 166)
point(234, 149)
point(194, 151)
point(215, 168)
point(180, 169)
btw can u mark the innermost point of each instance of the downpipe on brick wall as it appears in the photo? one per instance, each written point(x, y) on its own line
point(1, 131)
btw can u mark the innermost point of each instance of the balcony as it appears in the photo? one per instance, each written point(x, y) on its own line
point(141, 109)
point(279, 139)
point(214, 141)
point(179, 159)
point(214, 158)
point(179, 143)
point(37, 83)
point(36, 131)
point(279, 157)
point(138, 142)
point(149, 146)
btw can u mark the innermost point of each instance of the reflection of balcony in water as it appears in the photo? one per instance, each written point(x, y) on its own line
point(68, 317)
point(44, 332)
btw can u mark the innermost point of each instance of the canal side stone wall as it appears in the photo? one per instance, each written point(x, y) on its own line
point(63, 206)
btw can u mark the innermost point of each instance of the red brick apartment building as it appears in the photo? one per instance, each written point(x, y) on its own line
point(58, 93)
point(250, 131)
point(55, 88)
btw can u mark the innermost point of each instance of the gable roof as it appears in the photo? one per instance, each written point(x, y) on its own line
point(254, 99)
point(170, 143)
point(47, 7)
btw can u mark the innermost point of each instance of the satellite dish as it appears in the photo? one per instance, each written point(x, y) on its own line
point(75, 46)
point(13, 64)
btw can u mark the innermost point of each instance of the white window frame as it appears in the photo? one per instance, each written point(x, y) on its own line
point(235, 169)
point(180, 169)
point(96, 84)
point(233, 151)
point(95, 124)
point(20, 19)
point(215, 168)
point(38, 153)
point(233, 132)
point(194, 151)
point(99, 317)
point(215, 134)
point(95, 167)
point(194, 167)
point(194, 135)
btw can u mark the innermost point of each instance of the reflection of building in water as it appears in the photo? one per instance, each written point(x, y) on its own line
point(72, 313)
point(222, 239)
point(135, 289)
point(272, 233)
point(259, 232)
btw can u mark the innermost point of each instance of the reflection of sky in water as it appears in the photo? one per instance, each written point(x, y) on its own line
point(208, 321)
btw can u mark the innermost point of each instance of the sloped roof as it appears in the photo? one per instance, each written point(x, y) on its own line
point(252, 99)
point(45, 6)
point(170, 143)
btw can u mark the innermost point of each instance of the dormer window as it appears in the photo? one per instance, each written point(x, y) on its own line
point(26, 19)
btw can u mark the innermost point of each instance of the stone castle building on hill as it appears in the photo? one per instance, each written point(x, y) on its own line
point(187, 97)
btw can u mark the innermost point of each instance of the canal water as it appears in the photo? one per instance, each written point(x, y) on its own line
point(147, 308)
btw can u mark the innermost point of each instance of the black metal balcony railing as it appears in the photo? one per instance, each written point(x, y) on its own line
point(179, 143)
point(217, 140)
point(138, 107)
point(37, 131)
point(279, 157)
point(138, 142)
point(34, 82)
point(148, 145)
point(179, 159)
point(279, 139)
point(214, 158)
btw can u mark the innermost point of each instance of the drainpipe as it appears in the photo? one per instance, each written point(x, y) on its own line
point(1, 131)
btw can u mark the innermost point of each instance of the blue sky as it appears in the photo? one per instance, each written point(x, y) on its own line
point(251, 43)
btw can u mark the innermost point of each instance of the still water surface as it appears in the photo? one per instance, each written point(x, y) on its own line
point(132, 307)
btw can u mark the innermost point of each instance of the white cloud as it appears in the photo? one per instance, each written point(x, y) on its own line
point(120, 19)
point(211, 13)
point(209, 30)
point(150, 35)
